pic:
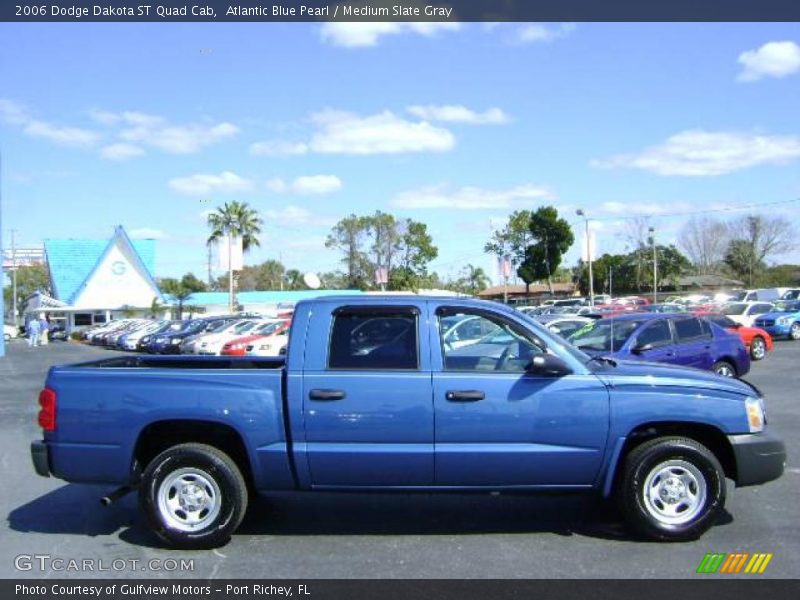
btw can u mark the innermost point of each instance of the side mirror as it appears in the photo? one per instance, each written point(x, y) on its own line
point(548, 365)
point(640, 349)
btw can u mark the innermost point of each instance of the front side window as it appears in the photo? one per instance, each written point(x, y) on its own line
point(369, 340)
point(505, 348)
point(736, 308)
point(605, 335)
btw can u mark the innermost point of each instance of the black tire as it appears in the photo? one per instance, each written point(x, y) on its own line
point(675, 455)
point(724, 368)
point(758, 348)
point(207, 476)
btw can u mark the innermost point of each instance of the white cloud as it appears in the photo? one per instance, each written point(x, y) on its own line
point(342, 132)
point(365, 34)
point(278, 148)
point(157, 132)
point(306, 185)
point(147, 233)
point(534, 33)
point(454, 113)
point(12, 112)
point(773, 59)
point(293, 216)
point(470, 198)
point(706, 153)
point(643, 208)
point(120, 151)
point(206, 183)
point(65, 136)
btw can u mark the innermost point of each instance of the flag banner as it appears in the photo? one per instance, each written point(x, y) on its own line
point(233, 252)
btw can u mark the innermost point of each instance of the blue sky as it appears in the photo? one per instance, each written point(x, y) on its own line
point(149, 125)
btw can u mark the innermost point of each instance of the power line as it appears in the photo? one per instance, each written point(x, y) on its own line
point(687, 213)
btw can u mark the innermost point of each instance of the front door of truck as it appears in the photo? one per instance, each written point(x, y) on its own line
point(367, 406)
point(499, 425)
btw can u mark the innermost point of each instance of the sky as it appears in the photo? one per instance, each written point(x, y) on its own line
point(456, 125)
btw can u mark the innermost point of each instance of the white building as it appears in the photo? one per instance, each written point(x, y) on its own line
point(94, 281)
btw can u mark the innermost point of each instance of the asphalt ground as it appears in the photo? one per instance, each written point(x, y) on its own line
point(377, 535)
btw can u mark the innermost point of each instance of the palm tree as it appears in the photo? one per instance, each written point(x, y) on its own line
point(237, 219)
point(475, 279)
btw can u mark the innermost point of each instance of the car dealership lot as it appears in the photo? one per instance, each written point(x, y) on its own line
point(378, 535)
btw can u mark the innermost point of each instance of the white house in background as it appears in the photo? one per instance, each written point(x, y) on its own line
point(95, 281)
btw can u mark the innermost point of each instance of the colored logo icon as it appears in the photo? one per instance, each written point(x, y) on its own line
point(734, 563)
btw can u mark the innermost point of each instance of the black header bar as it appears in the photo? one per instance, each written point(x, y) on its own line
point(398, 10)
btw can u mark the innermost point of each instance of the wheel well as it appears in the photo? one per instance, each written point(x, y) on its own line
point(158, 436)
point(708, 435)
point(731, 362)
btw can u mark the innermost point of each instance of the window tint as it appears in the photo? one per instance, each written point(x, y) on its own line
point(760, 309)
point(373, 341)
point(655, 334)
point(503, 348)
point(688, 329)
point(722, 321)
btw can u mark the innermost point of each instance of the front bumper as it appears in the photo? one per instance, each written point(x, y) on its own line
point(760, 457)
point(41, 458)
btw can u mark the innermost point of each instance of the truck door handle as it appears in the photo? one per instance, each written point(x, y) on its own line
point(326, 395)
point(464, 395)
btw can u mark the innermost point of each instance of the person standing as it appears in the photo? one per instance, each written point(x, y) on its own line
point(34, 328)
point(44, 330)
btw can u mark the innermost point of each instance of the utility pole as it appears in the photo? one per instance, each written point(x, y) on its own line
point(580, 212)
point(610, 280)
point(655, 265)
point(14, 305)
point(230, 273)
point(210, 283)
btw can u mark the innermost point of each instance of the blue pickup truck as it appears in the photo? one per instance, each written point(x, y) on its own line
point(370, 396)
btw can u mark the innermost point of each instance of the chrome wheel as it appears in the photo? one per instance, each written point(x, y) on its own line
point(758, 349)
point(794, 331)
point(674, 492)
point(725, 370)
point(189, 499)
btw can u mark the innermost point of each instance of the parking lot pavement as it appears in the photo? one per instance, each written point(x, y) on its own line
point(378, 535)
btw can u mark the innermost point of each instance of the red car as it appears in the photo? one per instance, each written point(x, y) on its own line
point(757, 341)
point(238, 346)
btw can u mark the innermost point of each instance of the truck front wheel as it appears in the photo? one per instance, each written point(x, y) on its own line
point(672, 489)
point(194, 496)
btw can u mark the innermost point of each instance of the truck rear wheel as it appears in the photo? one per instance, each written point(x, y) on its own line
point(672, 489)
point(194, 496)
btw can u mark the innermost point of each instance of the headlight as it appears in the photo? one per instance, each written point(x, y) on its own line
point(175, 341)
point(784, 320)
point(756, 417)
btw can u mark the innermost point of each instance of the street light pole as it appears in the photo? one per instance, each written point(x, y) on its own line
point(14, 306)
point(655, 265)
point(581, 213)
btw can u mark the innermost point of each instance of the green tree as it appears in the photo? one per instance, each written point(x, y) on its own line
point(268, 275)
point(30, 279)
point(513, 240)
point(742, 260)
point(472, 281)
point(415, 250)
point(237, 219)
point(349, 235)
point(293, 280)
point(552, 237)
point(181, 289)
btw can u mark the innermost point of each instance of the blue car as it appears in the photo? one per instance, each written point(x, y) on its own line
point(783, 322)
point(678, 339)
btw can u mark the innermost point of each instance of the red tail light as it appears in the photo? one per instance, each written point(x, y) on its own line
point(47, 414)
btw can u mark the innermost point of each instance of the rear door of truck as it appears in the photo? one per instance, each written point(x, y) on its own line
point(367, 397)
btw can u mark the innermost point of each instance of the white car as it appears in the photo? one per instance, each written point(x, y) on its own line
point(460, 331)
point(212, 343)
point(272, 345)
point(132, 339)
point(745, 313)
point(9, 331)
point(567, 325)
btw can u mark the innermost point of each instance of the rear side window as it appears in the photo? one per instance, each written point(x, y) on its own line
point(370, 340)
point(689, 329)
point(655, 334)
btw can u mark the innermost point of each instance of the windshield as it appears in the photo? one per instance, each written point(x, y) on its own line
point(740, 295)
point(268, 328)
point(217, 326)
point(244, 326)
point(604, 335)
point(736, 308)
point(783, 306)
point(791, 295)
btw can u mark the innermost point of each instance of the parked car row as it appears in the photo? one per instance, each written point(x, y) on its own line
point(232, 335)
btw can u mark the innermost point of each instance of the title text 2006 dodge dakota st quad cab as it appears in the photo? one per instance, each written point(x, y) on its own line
point(370, 397)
